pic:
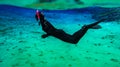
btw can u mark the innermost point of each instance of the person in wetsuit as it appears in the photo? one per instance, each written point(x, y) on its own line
point(60, 34)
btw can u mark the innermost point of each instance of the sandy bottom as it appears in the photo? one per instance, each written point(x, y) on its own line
point(22, 46)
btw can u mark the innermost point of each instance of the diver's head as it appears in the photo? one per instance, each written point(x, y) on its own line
point(39, 15)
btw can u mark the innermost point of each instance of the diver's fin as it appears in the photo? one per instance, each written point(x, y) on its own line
point(95, 23)
point(96, 27)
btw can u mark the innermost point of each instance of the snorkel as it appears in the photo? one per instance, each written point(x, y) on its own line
point(37, 15)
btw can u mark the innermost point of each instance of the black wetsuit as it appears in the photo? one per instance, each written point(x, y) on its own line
point(60, 34)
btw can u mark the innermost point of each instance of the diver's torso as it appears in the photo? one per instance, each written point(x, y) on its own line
point(47, 27)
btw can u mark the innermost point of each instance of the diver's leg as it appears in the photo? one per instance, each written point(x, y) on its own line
point(60, 34)
point(70, 38)
point(80, 33)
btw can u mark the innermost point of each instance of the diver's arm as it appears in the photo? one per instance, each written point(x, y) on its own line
point(36, 17)
point(37, 20)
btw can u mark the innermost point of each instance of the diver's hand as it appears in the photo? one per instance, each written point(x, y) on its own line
point(44, 35)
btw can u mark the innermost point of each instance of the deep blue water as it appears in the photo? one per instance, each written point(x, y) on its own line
point(9, 13)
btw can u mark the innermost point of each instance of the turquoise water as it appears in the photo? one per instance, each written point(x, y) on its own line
point(21, 44)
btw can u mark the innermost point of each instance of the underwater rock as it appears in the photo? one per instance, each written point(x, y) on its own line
point(1, 43)
point(62, 57)
point(32, 64)
point(7, 49)
point(15, 65)
point(111, 37)
point(119, 47)
point(12, 54)
point(112, 42)
point(88, 58)
point(14, 47)
point(21, 50)
point(108, 53)
point(73, 59)
point(96, 59)
point(41, 53)
point(114, 60)
point(1, 61)
point(87, 51)
point(43, 62)
point(69, 65)
point(29, 55)
point(108, 46)
point(78, 24)
point(6, 29)
point(97, 44)
point(22, 41)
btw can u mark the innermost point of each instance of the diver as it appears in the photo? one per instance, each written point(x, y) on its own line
point(60, 34)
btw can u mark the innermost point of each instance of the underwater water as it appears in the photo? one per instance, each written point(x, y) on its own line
point(21, 44)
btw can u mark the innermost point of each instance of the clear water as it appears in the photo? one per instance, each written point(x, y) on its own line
point(21, 44)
